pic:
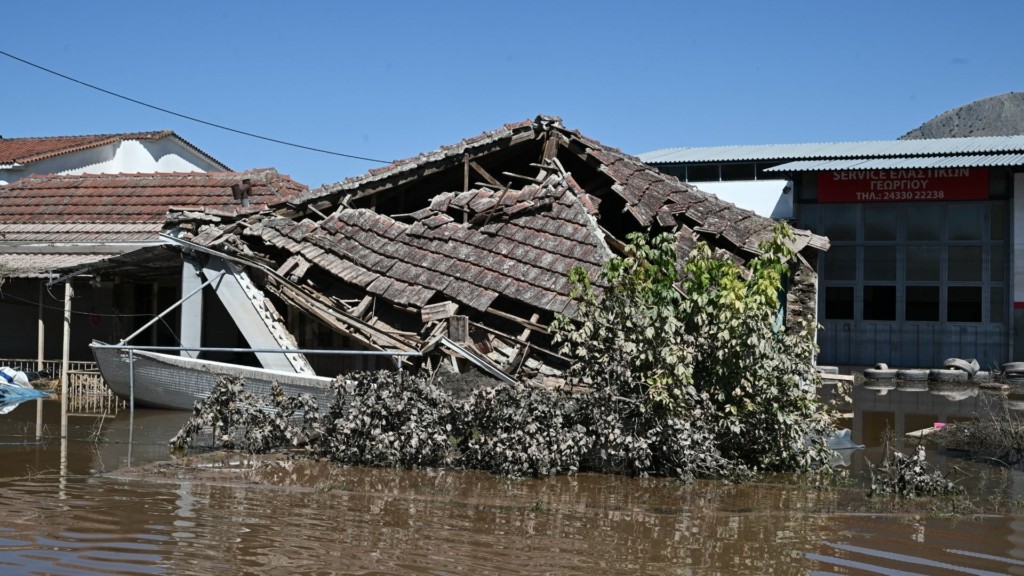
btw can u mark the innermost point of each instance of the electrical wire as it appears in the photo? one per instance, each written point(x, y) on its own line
point(192, 118)
point(18, 301)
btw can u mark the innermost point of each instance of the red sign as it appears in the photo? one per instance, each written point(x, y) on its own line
point(907, 185)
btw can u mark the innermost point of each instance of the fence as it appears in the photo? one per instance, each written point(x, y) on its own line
point(87, 392)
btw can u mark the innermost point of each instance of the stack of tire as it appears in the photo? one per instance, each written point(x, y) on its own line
point(957, 370)
point(1013, 373)
point(954, 370)
point(881, 371)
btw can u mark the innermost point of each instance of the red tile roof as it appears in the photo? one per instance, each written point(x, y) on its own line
point(126, 207)
point(25, 150)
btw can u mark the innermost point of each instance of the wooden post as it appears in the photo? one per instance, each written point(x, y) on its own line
point(65, 361)
point(40, 357)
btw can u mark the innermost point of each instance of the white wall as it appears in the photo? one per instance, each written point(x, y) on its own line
point(122, 157)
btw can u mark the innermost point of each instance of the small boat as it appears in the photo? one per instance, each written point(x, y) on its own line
point(177, 382)
point(15, 388)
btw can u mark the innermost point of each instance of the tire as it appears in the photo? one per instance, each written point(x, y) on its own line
point(879, 374)
point(982, 376)
point(881, 366)
point(1014, 367)
point(948, 375)
point(963, 365)
point(912, 375)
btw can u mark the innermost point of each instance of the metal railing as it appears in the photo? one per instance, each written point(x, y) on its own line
point(394, 354)
point(51, 367)
point(87, 392)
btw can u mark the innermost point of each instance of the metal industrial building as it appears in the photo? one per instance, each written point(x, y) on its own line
point(927, 239)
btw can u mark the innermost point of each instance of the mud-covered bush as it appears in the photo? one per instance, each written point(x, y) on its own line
point(996, 436)
point(628, 438)
point(243, 421)
point(522, 431)
point(388, 419)
point(909, 476)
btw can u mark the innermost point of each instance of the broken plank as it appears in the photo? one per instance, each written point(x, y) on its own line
point(487, 176)
point(438, 311)
point(521, 321)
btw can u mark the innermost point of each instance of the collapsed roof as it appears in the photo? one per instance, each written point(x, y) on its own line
point(472, 243)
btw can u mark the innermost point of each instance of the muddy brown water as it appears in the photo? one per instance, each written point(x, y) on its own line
point(111, 500)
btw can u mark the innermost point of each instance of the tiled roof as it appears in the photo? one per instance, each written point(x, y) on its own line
point(652, 198)
point(522, 251)
point(107, 208)
point(41, 265)
point(25, 150)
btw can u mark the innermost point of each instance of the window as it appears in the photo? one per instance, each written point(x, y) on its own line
point(840, 223)
point(964, 264)
point(923, 263)
point(880, 263)
point(922, 303)
point(879, 302)
point(879, 223)
point(924, 223)
point(841, 263)
point(963, 304)
point(997, 306)
point(966, 222)
point(839, 303)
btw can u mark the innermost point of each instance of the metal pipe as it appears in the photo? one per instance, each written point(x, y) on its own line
point(131, 401)
point(173, 306)
point(260, 350)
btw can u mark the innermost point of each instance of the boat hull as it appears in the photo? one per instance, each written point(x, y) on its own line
point(177, 383)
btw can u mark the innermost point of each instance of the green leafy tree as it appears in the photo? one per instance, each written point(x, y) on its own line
point(707, 347)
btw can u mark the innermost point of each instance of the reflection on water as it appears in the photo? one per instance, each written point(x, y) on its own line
point(90, 516)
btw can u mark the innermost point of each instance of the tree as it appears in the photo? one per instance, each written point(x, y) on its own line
point(707, 348)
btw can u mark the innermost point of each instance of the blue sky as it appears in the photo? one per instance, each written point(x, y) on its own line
point(390, 79)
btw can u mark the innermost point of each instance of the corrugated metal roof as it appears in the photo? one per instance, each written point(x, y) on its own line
point(902, 163)
point(870, 149)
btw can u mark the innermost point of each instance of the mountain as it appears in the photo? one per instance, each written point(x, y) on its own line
point(1001, 115)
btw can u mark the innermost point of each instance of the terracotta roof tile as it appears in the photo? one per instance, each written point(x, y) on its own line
point(109, 201)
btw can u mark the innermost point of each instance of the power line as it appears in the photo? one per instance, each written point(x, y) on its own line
point(192, 118)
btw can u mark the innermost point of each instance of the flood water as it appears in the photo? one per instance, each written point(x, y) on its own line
point(75, 507)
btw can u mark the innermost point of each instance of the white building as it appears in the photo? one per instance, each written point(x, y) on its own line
point(141, 152)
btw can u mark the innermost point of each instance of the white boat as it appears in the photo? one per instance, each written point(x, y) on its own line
point(177, 382)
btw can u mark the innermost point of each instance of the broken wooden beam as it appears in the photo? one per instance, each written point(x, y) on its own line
point(521, 321)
